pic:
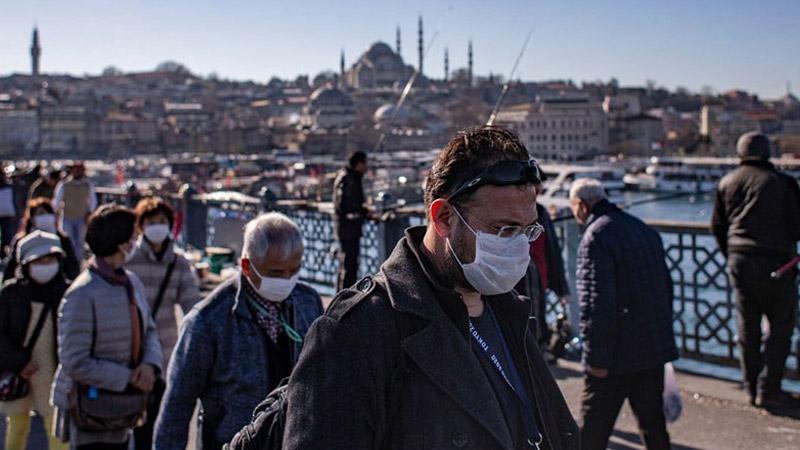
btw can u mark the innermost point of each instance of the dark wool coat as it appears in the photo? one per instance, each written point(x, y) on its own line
point(390, 366)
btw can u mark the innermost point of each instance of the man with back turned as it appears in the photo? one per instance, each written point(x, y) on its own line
point(756, 223)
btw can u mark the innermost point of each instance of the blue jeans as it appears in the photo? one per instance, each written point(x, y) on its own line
point(76, 230)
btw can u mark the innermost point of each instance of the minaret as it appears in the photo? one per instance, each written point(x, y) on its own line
point(36, 52)
point(397, 40)
point(469, 64)
point(421, 47)
point(342, 83)
point(446, 65)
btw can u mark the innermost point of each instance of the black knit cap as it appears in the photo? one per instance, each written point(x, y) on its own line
point(753, 145)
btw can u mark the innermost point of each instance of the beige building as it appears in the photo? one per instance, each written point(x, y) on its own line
point(561, 127)
point(68, 130)
point(19, 131)
point(329, 108)
point(721, 128)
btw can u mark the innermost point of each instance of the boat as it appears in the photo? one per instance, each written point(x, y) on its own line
point(693, 175)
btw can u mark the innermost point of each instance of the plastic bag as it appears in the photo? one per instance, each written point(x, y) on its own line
point(673, 405)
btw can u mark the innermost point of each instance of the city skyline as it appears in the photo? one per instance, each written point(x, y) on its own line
point(662, 45)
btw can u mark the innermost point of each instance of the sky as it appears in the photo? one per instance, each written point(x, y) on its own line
point(724, 44)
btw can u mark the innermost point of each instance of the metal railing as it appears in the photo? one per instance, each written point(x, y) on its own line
point(704, 308)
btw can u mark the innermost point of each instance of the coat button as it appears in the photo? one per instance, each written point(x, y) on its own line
point(460, 440)
point(365, 284)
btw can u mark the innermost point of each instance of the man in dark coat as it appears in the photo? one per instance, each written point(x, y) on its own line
point(349, 215)
point(625, 294)
point(435, 351)
point(756, 223)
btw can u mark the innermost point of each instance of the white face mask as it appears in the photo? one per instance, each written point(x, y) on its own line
point(275, 289)
point(45, 222)
point(156, 233)
point(43, 273)
point(129, 254)
point(499, 262)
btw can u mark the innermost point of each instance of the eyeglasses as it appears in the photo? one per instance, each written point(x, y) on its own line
point(503, 173)
point(531, 232)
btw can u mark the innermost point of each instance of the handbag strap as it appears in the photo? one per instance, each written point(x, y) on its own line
point(38, 329)
point(163, 287)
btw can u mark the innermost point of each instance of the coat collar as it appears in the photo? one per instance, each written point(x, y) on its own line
point(602, 208)
point(149, 253)
point(754, 162)
point(441, 349)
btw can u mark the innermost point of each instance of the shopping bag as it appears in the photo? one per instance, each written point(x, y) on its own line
point(673, 405)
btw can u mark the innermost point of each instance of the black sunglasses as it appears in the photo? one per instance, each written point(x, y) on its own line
point(503, 173)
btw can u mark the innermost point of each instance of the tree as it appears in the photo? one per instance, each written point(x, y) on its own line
point(111, 71)
point(171, 66)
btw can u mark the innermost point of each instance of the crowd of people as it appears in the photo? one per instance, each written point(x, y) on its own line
point(446, 346)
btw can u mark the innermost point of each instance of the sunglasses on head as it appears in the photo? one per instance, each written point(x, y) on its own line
point(503, 173)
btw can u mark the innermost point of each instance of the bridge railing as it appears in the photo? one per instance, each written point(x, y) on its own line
point(704, 307)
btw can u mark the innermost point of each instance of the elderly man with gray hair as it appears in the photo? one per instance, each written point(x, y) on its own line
point(625, 295)
point(240, 342)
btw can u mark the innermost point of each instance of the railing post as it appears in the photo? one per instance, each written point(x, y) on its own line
point(196, 224)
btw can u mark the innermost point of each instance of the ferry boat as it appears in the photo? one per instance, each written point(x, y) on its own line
point(561, 176)
point(693, 175)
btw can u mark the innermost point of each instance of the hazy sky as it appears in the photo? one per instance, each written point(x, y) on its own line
point(726, 44)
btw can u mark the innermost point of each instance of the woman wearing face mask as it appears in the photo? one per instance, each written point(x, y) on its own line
point(169, 281)
point(39, 215)
point(108, 343)
point(28, 306)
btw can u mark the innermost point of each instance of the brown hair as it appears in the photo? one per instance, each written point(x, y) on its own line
point(26, 224)
point(467, 155)
point(151, 207)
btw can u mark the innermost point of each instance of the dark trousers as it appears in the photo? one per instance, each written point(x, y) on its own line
point(758, 295)
point(348, 263)
point(143, 436)
point(7, 229)
point(103, 446)
point(603, 397)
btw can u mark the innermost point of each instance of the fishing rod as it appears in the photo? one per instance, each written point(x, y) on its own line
point(406, 91)
point(784, 269)
point(657, 199)
point(507, 85)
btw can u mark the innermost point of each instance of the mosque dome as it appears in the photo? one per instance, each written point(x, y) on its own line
point(329, 96)
point(390, 112)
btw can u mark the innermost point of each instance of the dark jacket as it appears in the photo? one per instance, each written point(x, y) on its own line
point(625, 293)
point(15, 316)
point(390, 366)
point(348, 204)
point(70, 264)
point(556, 278)
point(41, 188)
point(757, 210)
point(221, 358)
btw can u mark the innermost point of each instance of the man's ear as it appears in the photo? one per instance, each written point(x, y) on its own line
point(442, 216)
point(245, 267)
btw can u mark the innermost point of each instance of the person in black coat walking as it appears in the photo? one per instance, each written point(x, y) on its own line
point(625, 294)
point(436, 351)
point(349, 216)
point(756, 223)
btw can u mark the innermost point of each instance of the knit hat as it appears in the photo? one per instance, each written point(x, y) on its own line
point(753, 145)
point(38, 244)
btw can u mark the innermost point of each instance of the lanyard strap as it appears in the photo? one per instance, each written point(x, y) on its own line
point(489, 354)
point(290, 332)
point(528, 410)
